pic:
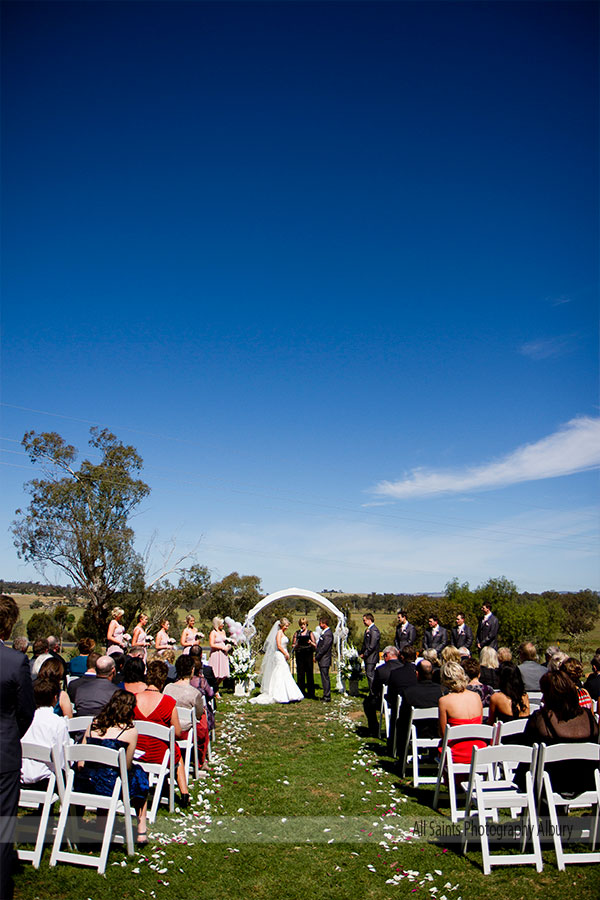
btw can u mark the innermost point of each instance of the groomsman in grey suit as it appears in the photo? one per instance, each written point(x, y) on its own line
point(370, 647)
point(323, 658)
point(406, 634)
point(462, 636)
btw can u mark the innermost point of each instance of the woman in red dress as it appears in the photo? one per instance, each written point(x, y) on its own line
point(154, 706)
point(459, 707)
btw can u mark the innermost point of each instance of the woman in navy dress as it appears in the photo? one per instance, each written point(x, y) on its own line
point(114, 728)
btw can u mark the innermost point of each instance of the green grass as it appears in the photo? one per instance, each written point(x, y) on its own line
point(301, 804)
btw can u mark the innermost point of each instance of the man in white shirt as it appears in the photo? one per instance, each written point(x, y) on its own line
point(46, 730)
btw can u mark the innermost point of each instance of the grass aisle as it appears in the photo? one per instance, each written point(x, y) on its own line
point(301, 805)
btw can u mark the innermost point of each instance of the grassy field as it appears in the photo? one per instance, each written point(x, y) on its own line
point(300, 802)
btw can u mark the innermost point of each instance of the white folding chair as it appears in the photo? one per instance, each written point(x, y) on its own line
point(120, 795)
point(79, 724)
point(189, 744)
point(571, 754)
point(534, 703)
point(384, 717)
point(488, 793)
point(31, 797)
point(388, 723)
point(451, 769)
point(158, 772)
point(417, 744)
point(534, 695)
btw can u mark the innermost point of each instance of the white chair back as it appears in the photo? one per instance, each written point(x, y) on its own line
point(449, 768)
point(120, 795)
point(158, 772)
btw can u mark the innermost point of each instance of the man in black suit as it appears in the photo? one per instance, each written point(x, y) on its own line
point(323, 658)
point(90, 672)
point(17, 707)
point(435, 637)
point(422, 695)
point(487, 632)
point(370, 647)
point(406, 634)
point(93, 694)
point(400, 679)
point(462, 636)
point(372, 702)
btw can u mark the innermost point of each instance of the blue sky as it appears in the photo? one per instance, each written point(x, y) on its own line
point(331, 267)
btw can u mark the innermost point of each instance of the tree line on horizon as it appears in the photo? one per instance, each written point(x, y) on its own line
point(79, 521)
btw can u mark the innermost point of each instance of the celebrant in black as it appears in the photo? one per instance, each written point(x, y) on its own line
point(304, 646)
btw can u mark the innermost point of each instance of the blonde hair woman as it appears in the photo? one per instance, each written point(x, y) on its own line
point(459, 707)
point(489, 667)
point(189, 634)
point(219, 648)
point(139, 637)
point(115, 636)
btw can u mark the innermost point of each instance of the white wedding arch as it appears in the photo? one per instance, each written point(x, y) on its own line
point(339, 635)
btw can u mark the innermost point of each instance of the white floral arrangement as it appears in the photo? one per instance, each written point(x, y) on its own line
point(241, 663)
point(351, 663)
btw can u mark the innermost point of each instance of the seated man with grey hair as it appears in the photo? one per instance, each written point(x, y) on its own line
point(381, 677)
point(21, 644)
point(94, 693)
point(529, 667)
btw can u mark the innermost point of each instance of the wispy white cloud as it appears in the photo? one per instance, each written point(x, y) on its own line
point(546, 348)
point(575, 447)
point(560, 300)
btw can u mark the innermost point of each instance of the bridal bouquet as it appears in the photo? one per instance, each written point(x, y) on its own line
point(351, 663)
point(241, 663)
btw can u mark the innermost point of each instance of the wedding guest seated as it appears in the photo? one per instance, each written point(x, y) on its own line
point(489, 667)
point(134, 675)
point(422, 695)
point(53, 650)
point(169, 657)
point(79, 664)
point(471, 667)
point(562, 720)
point(432, 655)
point(191, 698)
point(21, 644)
point(114, 727)
point(529, 667)
point(46, 730)
point(206, 684)
point(459, 707)
point(592, 684)
point(92, 694)
point(504, 656)
point(90, 672)
point(511, 701)
point(53, 668)
point(573, 668)
point(556, 660)
point(400, 678)
point(381, 677)
point(40, 655)
point(451, 654)
point(154, 706)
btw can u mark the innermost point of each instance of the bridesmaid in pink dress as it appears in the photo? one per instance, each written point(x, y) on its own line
point(139, 636)
point(114, 636)
point(162, 641)
point(219, 649)
point(188, 635)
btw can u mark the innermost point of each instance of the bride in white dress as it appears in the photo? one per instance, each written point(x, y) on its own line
point(277, 683)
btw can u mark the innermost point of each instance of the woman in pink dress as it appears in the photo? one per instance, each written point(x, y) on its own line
point(162, 641)
point(189, 633)
point(139, 636)
point(154, 706)
point(219, 649)
point(115, 636)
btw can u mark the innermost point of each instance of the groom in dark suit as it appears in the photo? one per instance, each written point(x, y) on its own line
point(323, 658)
point(17, 707)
